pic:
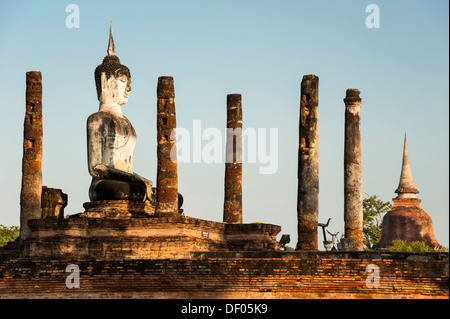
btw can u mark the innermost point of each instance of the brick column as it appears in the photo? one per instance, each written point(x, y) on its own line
point(232, 208)
point(167, 176)
point(353, 197)
point(31, 191)
point(308, 164)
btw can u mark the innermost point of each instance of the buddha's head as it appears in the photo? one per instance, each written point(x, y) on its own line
point(112, 79)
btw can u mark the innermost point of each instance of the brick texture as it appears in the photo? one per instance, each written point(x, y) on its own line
point(226, 275)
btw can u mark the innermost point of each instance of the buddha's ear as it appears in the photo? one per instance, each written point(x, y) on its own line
point(104, 84)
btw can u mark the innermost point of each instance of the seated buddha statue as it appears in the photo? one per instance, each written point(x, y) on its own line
point(111, 138)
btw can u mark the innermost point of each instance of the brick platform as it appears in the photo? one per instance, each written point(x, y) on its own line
point(142, 238)
point(188, 258)
point(233, 275)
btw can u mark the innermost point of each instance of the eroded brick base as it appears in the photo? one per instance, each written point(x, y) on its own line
point(142, 238)
point(233, 275)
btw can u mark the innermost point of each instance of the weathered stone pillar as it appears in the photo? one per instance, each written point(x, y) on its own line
point(232, 208)
point(31, 191)
point(353, 197)
point(308, 164)
point(167, 176)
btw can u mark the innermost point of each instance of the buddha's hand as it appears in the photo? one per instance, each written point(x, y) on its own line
point(101, 171)
point(104, 172)
point(148, 184)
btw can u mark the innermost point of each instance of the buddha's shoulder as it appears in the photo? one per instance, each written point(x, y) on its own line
point(101, 117)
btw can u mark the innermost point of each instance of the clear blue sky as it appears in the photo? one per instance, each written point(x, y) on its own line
point(260, 49)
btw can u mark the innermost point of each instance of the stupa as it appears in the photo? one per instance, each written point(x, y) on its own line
point(406, 220)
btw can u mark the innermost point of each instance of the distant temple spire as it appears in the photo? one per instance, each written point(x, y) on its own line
point(111, 46)
point(406, 220)
point(406, 187)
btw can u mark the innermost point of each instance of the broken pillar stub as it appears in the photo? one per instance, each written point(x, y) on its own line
point(167, 176)
point(308, 164)
point(53, 202)
point(31, 188)
point(353, 194)
point(232, 210)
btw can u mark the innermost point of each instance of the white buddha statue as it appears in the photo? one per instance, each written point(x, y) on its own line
point(111, 137)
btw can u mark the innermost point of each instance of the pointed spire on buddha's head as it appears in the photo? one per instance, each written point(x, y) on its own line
point(111, 46)
point(406, 187)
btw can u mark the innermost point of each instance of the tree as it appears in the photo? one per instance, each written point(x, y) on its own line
point(400, 245)
point(8, 234)
point(373, 213)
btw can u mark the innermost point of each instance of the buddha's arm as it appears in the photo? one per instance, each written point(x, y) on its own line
point(103, 171)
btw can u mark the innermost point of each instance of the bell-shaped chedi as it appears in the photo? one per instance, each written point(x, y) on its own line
point(406, 220)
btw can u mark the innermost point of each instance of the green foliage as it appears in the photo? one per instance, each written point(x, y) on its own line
point(373, 212)
point(8, 234)
point(400, 245)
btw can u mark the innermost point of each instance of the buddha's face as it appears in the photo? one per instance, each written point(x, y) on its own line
point(117, 89)
point(121, 87)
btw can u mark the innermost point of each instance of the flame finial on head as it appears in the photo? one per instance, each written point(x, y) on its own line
point(111, 46)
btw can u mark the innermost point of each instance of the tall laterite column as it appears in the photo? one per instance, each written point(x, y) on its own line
point(167, 176)
point(232, 210)
point(31, 190)
point(308, 164)
point(353, 196)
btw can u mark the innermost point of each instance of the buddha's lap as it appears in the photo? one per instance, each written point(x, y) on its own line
point(108, 189)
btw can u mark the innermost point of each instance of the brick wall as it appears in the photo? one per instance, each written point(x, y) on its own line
point(233, 275)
